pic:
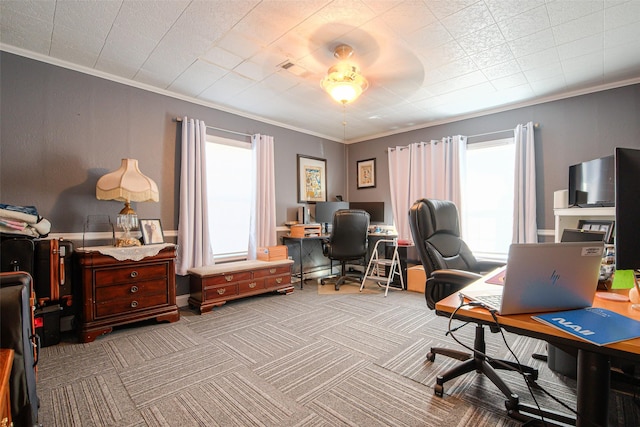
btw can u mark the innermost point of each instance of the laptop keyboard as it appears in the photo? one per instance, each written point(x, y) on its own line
point(491, 301)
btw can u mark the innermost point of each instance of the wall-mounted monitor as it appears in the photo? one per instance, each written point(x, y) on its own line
point(375, 209)
point(592, 183)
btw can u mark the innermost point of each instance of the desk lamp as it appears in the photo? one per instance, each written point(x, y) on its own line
point(127, 184)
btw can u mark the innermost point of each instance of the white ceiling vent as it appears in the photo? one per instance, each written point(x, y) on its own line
point(293, 68)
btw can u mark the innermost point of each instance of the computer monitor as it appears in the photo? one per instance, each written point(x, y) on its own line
point(375, 209)
point(325, 211)
point(627, 209)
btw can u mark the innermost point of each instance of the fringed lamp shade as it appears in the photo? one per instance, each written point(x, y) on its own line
point(127, 184)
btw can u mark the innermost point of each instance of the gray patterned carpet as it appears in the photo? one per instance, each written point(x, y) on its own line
point(304, 359)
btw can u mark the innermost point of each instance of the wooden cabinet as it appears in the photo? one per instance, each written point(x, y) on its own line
point(570, 217)
point(6, 362)
point(214, 285)
point(120, 292)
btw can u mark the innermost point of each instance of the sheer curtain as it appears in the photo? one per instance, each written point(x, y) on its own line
point(425, 170)
point(194, 243)
point(263, 207)
point(525, 226)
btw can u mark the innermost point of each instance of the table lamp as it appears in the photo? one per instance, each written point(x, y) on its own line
point(127, 184)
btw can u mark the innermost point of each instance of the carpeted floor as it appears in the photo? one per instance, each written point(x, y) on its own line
point(310, 358)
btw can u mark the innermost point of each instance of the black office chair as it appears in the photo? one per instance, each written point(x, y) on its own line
point(348, 241)
point(449, 266)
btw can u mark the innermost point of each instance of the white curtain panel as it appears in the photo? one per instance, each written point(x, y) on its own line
point(525, 227)
point(263, 207)
point(399, 176)
point(432, 170)
point(194, 243)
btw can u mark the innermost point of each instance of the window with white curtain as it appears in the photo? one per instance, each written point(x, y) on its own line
point(229, 187)
point(488, 197)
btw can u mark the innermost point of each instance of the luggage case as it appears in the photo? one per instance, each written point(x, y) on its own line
point(16, 254)
point(17, 333)
point(53, 276)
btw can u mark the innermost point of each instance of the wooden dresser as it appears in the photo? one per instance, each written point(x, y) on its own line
point(214, 285)
point(6, 362)
point(117, 292)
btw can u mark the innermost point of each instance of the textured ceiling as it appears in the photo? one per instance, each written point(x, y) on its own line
point(427, 61)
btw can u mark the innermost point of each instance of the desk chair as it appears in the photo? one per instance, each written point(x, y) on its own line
point(348, 241)
point(449, 266)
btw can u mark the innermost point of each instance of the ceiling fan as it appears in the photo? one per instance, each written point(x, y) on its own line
point(343, 80)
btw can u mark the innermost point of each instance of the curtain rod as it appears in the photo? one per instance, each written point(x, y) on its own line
point(179, 119)
point(535, 126)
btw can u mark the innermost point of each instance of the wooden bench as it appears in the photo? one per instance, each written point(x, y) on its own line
point(214, 285)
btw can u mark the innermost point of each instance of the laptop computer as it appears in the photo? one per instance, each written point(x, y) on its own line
point(541, 277)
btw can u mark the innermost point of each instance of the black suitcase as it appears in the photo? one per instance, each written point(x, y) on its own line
point(16, 254)
point(53, 272)
point(17, 333)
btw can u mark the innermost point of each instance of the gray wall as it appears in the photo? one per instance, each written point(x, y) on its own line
point(61, 130)
point(571, 130)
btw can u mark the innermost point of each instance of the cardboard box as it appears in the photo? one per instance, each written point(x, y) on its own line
point(272, 253)
point(416, 279)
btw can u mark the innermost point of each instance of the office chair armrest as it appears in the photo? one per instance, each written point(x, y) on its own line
point(484, 267)
point(442, 283)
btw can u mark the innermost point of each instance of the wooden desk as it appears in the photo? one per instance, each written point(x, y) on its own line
point(6, 362)
point(594, 362)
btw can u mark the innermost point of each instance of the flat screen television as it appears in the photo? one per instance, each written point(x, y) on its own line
point(375, 209)
point(592, 183)
point(627, 240)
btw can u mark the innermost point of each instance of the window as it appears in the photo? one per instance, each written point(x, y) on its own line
point(229, 188)
point(488, 197)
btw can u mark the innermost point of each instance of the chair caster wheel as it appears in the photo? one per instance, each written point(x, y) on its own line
point(438, 390)
point(431, 356)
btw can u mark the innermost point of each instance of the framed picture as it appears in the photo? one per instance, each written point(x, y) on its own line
point(367, 173)
point(151, 230)
point(312, 179)
point(598, 225)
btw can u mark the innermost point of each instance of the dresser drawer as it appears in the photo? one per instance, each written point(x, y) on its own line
point(133, 290)
point(129, 305)
point(221, 292)
point(227, 278)
point(278, 280)
point(250, 286)
point(107, 277)
point(272, 271)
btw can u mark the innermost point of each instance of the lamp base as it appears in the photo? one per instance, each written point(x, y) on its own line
point(127, 242)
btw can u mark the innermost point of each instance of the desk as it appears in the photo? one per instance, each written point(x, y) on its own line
point(300, 241)
point(594, 362)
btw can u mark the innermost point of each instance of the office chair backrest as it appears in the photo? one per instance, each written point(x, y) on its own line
point(349, 239)
point(435, 227)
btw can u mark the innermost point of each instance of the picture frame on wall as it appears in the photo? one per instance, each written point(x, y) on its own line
point(312, 179)
point(151, 230)
point(605, 226)
point(366, 173)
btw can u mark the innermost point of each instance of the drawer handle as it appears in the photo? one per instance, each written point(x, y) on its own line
point(252, 285)
point(228, 277)
point(134, 304)
point(272, 270)
point(221, 291)
point(134, 274)
point(278, 280)
point(134, 289)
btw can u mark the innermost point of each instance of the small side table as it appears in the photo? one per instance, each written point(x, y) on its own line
point(126, 285)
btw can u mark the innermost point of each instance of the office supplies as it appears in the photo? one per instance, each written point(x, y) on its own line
point(541, 277)
point(596, 325)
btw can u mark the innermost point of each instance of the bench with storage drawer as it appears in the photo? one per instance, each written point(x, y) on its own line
point(214, 285)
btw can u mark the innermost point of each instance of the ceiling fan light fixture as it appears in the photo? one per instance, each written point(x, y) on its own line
point(343, 82)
